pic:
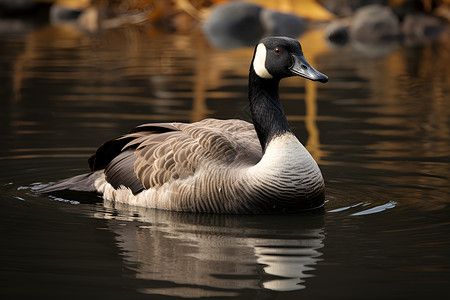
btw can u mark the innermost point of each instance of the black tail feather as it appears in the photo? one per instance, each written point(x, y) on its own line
point(80, 183)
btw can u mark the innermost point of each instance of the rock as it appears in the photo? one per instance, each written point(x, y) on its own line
point(240, 24)
point(337, 33)
point(60, 14)
point(421, 26)
point(281, 24)
point(374, 23)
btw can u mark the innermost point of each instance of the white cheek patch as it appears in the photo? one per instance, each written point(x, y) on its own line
point(259, 63)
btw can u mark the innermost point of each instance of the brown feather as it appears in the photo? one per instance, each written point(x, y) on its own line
point(177, 154)
point(167, 151)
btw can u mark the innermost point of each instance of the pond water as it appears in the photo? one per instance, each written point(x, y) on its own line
point(379, 129)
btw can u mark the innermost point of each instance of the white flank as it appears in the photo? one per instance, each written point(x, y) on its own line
point(259, 63)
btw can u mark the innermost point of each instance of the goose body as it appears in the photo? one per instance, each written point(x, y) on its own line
point(216, 166)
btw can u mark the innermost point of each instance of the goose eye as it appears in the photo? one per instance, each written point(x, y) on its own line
point(277, 50)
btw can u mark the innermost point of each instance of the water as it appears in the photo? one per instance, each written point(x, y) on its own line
point(379, 130)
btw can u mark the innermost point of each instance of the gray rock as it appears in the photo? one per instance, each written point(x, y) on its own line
point(421, 26)
point(60, 14)
point(240, 24)
point(337, 33)
point(374, 23)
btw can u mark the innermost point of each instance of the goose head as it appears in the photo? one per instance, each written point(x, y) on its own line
point(281, 57)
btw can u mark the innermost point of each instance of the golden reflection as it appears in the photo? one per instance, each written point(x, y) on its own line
point(158, 57)
point(216, 255)
point(73, 4)
point(31, 57)
point(202, 64)
point(313, 143)
point(316, 47)
point(404, 120)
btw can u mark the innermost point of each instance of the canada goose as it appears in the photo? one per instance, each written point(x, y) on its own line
point(216, 166)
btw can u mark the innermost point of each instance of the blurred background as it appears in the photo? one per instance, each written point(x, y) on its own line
point(76, 73)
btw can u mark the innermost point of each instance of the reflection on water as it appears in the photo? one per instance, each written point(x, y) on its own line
point(216, 255)
point(372, 210)
point(397, 125)
point(379, 129)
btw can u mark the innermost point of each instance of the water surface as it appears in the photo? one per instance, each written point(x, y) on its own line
point(379, 131)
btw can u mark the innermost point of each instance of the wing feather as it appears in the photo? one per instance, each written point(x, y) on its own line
point(153, 154)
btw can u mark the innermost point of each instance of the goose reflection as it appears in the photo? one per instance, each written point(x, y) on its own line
point(201, 255)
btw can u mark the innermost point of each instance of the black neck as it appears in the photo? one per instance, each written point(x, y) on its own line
point(268, 116)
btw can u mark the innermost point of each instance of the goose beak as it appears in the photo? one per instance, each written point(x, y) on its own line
point(302, 68)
